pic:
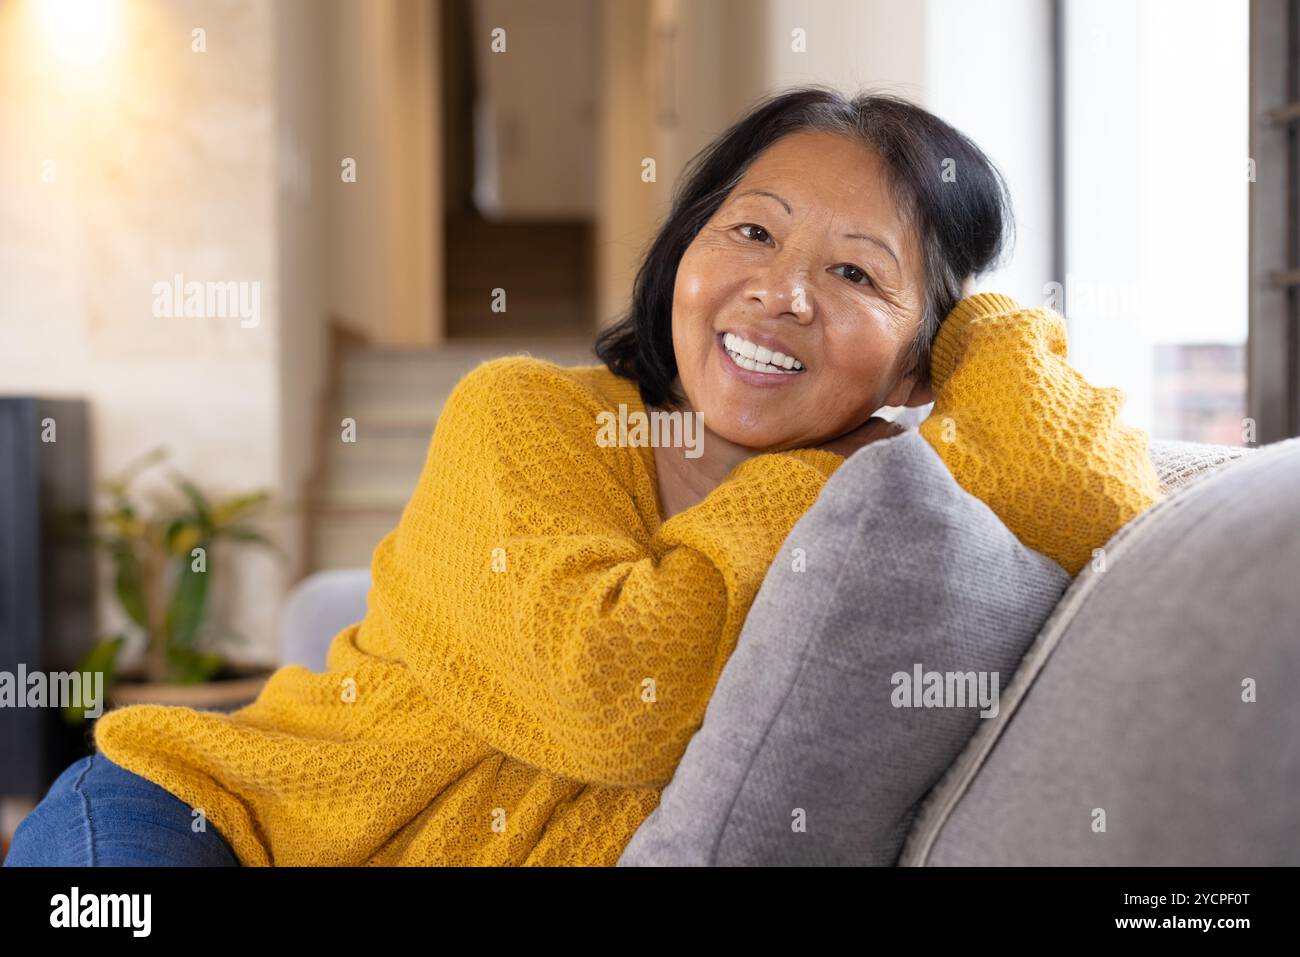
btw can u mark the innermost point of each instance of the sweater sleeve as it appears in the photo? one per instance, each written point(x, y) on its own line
point(1024, 432)
point(529, 589)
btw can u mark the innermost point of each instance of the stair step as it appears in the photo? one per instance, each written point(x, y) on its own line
point(380, 441)
point(379, 413)
point(387, 493)
point(409, 388)
point(444, 367)
point(395, 397)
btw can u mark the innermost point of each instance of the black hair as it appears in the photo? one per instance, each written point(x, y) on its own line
point(964, 222)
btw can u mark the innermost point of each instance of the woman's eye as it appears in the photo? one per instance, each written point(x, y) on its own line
point(855, 275)
point(759, 234)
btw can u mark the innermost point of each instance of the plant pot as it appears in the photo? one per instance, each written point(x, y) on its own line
point(233, 687)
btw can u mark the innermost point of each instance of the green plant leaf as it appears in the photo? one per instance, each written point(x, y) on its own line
point(182, 536)
point(102, 657)
point(237, 507)
point(188, 666)
point(174, 528)
point(189, 602)
point(128, 583)
point(202, 508)
point(242, 533)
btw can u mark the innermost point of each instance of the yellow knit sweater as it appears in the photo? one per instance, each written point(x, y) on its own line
point(540, 646)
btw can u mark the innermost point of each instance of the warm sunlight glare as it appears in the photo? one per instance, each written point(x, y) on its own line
point(79, 32)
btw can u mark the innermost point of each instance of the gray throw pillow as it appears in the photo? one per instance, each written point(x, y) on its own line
point(803, 756)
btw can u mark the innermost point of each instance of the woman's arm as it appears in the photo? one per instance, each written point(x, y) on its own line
point(528, 590)
point(1025, 433)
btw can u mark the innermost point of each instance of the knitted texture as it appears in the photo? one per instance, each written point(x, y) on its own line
point(540, 647)
point(1025, 433)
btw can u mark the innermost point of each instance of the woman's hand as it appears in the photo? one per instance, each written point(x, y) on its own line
point(872, 430)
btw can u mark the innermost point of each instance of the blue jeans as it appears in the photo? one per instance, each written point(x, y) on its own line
point(98, 814)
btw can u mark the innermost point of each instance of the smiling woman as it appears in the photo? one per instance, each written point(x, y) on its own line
point(811, 253)
point(801, 263)
point(549, 619)
point(858, 218)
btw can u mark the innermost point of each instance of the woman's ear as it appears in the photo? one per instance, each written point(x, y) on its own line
point(908, 393)
point(919, 395)
point(922, 395)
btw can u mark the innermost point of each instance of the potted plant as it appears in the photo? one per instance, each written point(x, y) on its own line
point(162, 564)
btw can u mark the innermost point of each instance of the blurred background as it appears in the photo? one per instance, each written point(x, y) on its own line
point(386, 192)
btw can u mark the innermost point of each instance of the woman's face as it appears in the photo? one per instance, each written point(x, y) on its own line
point(794, 305)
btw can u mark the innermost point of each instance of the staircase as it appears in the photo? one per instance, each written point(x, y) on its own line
point(395, 397)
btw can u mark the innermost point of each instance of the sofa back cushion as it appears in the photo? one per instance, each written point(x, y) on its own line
point(1179, 464)
point(1154, 720)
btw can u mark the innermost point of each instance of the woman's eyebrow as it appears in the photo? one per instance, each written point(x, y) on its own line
point(765, 192)
point(863, 236)
point(878, 241)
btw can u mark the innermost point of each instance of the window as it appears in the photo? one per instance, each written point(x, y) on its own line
point(1155, 230)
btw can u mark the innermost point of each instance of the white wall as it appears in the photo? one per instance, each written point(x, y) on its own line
point(220, 165)
point(852, 44)
point(163, 164)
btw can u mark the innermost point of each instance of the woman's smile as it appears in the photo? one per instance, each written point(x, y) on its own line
point(751, 362)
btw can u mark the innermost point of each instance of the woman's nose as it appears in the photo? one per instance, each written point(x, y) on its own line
point(784, 291)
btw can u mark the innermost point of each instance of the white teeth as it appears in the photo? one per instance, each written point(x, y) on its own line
point(750, 355)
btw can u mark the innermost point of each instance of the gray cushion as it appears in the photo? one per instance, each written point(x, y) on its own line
point(1131, 700)
point(903, 567)
point(317, 609)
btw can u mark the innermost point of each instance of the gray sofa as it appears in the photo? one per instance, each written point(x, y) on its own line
point(1152, 719)
point(1160, 693)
